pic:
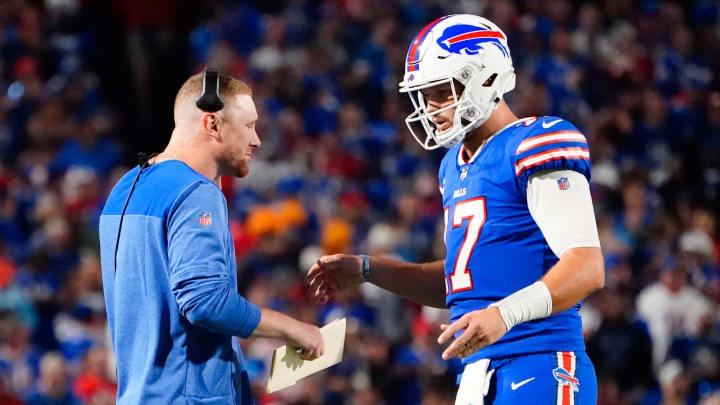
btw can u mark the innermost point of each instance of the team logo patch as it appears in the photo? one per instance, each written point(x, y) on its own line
point(205, 218)
point(469, 39)
point(564, 378)
point(563, 183)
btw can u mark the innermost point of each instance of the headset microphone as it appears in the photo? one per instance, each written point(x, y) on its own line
point(210, 100)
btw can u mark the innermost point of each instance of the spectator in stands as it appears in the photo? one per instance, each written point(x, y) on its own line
point(93, 384)
point(621, 349)
point(52, 386)
point(672, 309)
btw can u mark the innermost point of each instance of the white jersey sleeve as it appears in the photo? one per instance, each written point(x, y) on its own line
point(560, 203)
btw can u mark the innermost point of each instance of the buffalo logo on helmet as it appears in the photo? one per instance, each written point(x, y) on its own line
point(469, 39)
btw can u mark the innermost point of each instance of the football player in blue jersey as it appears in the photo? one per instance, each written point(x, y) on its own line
point(522, 243)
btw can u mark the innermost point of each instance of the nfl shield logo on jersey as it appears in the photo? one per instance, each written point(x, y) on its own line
point(563, 183)
point(205, 218)
point(463, 173)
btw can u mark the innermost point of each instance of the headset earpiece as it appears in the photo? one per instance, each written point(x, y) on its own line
point(210, 100)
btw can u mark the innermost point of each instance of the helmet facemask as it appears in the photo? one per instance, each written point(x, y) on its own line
point(475, 97)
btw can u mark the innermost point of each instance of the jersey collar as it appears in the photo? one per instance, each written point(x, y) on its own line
point(461, 153)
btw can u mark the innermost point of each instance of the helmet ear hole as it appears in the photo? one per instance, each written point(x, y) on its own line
point(490, 80)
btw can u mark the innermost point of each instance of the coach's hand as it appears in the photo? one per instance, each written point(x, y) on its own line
point(482, 327)
point(331, 274)
point(307, 337)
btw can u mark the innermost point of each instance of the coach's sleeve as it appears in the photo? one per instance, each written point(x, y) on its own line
point(199, 274)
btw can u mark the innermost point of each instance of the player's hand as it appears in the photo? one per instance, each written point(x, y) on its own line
point(481, 327)
point(331, 274)
point(307, 337)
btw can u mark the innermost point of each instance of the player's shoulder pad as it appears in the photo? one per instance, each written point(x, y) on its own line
point(550, 143)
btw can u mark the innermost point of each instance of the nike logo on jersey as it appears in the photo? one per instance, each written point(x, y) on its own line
point(547, 125)
point(514, 385)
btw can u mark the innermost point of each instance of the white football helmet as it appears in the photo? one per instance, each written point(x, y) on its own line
point(464, 48)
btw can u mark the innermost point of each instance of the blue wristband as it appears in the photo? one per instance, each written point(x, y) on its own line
point(366, 267)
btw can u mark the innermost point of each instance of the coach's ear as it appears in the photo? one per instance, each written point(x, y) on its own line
point(211, 124)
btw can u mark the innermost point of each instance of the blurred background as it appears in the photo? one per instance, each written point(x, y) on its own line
point(87, 84)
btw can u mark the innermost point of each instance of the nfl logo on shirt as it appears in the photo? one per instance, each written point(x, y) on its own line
point(563, 183)
point(205, 218)
point(464, 173)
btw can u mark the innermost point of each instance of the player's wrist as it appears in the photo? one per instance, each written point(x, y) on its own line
point(530, 303)
point(365, 268)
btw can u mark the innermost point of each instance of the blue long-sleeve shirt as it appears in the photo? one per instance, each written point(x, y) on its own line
point(172, 303)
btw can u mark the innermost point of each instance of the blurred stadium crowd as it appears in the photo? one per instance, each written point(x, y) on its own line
point(86, 84)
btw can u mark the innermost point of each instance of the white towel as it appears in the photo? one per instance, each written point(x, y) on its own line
point(475, 383)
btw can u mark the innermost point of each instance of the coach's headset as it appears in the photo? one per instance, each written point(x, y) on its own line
point(209, 101)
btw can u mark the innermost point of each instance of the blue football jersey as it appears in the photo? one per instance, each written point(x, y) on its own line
point(494, 247)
